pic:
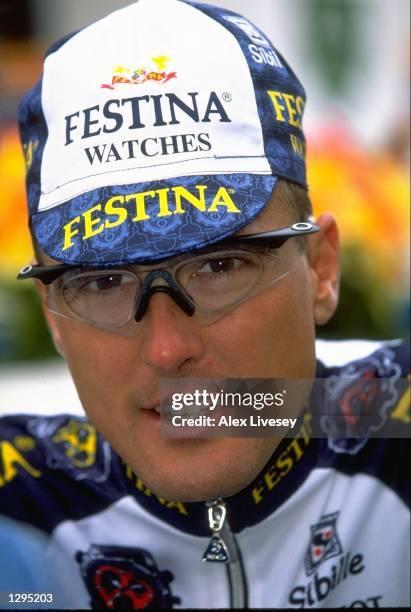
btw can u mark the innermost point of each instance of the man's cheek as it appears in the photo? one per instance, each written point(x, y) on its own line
point(97, 367)
point(282, 330)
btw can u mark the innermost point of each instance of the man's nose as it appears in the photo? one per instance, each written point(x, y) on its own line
point(171, 342)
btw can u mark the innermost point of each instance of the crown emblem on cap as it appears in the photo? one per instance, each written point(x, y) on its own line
point(126, 76)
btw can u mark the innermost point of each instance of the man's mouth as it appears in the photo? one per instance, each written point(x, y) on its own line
point(163, 412)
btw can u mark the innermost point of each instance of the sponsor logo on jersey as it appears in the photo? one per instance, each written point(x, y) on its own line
point(369, 602)
point(324, 543)
point(73, 446)
point(123, 578)
point(358, 401)
point(136, 76)
point(324, 577)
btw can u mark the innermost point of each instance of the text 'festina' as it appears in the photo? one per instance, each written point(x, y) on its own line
point(140, 112)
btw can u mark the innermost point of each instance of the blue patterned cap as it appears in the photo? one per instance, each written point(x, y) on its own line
point(159, 129)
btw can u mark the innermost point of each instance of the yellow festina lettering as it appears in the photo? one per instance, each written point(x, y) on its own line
point(182, 192)
point(285, 462)
point(69, 232)
point(178, 506)
point(271, 477)
point(306, 428)
point(89, 223)
point(300, 104)
point(402, 409)
point(297, 448)
point(293, 105)
point(172, 505)
point(164, 211)
point(28, 150)
point(117, 211)
point(140, 199)
point(257, 493)
point(138, 483)
point(279, 109)
point(129, 473)
point(222, 198)
point(290, 103)
point(298, 145)
point(10, 458)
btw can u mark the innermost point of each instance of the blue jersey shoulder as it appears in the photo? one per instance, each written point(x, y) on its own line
point(364, 416)
point(51, 469)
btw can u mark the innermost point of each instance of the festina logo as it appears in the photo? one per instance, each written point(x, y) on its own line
point(143, 111)
point(140, 207)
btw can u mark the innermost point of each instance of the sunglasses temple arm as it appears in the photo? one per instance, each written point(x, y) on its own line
point(46, 274)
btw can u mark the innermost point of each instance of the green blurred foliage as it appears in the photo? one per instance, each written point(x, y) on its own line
point(23, 330)
point(366, 308)
point(331, 26)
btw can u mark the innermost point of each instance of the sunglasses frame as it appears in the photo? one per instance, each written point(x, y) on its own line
point(271, 239)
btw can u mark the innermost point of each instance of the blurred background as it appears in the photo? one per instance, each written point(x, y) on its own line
point(353, 58)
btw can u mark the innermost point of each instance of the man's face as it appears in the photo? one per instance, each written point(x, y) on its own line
point(118, 377)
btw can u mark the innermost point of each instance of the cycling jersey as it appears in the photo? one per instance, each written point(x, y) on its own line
point(325, 523)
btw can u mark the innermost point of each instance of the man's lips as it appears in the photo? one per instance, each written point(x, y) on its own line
point(164, 410)
point(158, 404)
point(163, 405)
point(161, 416)
point(155, 406)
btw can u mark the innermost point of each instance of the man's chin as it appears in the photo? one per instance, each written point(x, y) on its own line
point(207, 491)
point(207, 475)
point(198, 492)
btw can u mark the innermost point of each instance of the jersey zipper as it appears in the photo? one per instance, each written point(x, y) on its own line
point(223, 548)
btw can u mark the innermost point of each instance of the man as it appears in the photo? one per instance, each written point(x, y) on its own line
point(171, 224)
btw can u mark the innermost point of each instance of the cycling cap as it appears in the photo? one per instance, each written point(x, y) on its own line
point(159, 129)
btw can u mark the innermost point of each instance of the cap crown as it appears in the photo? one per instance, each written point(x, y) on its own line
point(161, 128)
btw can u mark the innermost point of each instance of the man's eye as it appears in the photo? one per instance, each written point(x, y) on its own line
point(102, 283)
point(220, 265)
point(107, 282)
point(221, 269)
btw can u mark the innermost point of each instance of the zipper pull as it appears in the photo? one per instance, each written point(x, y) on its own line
point(217, 549)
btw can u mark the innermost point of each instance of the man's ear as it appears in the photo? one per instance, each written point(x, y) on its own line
point(324, 261)
point(51, 320)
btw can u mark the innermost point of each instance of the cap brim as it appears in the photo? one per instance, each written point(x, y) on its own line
point(150, 221)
